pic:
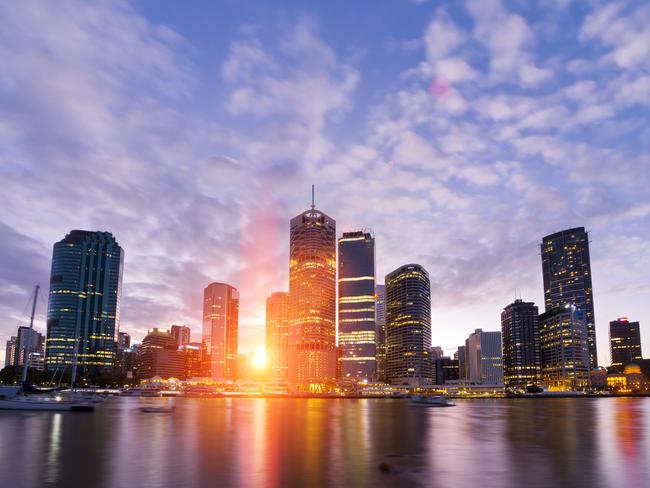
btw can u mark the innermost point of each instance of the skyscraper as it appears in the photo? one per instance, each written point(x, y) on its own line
point(380, 328)
point(277, 334)
point(220, 330)
point(312, 299)
point(408, 326)
point(24, 344)
point(564, 348)
point(462, 363)
point(123, 340)
point(123, 345)
point(624, 343)
point(181, 333)
point(566, 269)
point(11, 351)
point(357, 335)
point(484, 357)
point(520, 335)
point(84, 301)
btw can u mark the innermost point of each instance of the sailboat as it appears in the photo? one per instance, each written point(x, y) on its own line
point(28, 397)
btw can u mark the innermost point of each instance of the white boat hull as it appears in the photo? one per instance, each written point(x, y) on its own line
point(44, 405)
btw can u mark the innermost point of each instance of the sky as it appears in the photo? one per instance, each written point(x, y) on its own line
point(460, 132)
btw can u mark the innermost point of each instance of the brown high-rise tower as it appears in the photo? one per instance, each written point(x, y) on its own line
point(312, 299)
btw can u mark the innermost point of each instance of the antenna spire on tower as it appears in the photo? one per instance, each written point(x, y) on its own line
point(313, 206)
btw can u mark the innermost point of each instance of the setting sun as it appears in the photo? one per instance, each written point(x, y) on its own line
point(259, 360)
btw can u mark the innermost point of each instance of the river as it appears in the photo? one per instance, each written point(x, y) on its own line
point(572, 442)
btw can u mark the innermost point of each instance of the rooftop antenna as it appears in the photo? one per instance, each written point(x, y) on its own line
point(312, 198)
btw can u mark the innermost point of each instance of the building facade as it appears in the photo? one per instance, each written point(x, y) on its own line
point(159, 356)
point(408, 326)
point(181, 333)
point(356, 306)
point(220, 331)
point(462, 363)
point(564, 348)
point(277, 335)
point(446, 370)
point(380, 330)
point(522, 362)
point(484, 357)
point(27, 343)
point(123, 345)
point(566, 269)
point(624, 343)
point(192, 366)
point(83, 311)
point(11, 351)
point(312, 300)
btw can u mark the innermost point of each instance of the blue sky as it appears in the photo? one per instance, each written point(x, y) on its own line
point(460, 132)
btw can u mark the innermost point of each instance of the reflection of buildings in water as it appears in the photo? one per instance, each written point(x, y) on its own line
point(622, 444)
point(53, 448)
point(628, 428)
point(251, 431)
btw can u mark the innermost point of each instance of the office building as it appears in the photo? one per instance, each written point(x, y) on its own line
point(484, 360)
point(312, 300)
point(522, 363)
point(356, 306)
point(123, 345)
point(11, 351)
point(83, 311)
point(380, 330)
point(26, 343)
point(181, 333)
point(159, 356)
point(408, 326)
point(446, 370)
point(624, 343)
point(123, 340)
point(462, 363)
point(564, 348)
point(192, 365)
point(566, 270)
point(220, 331)
point(277, 335)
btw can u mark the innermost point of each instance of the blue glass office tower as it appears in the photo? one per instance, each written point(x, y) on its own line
point(357, 335)
point(566, 268)
point(84, 301)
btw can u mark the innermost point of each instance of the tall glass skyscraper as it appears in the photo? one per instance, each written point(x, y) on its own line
point(380, 328)
point(408, 326)
point(520, 336)
point(277, 334)
point(312, 299)
point(357, 335)
point(220, 331)
point(84, 301)
point(566, 269)
point(624, 343)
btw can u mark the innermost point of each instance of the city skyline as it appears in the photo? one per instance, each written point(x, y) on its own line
point(449, 142)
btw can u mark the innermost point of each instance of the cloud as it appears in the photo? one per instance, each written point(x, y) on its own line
point(442, 36)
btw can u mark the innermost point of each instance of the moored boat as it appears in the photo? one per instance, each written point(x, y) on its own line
point(431, 401)
point(156, 409)
point(53, 403)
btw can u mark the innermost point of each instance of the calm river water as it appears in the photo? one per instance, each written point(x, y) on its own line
point(297, 442)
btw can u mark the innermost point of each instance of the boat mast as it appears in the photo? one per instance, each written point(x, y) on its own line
point(31, 327)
